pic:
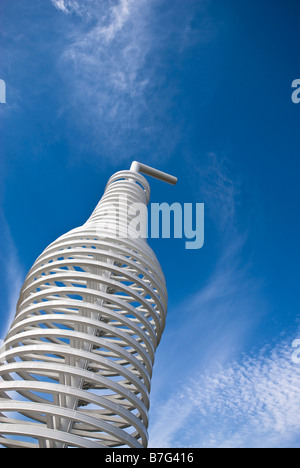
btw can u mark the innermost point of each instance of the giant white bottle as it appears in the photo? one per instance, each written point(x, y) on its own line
point(76, 364)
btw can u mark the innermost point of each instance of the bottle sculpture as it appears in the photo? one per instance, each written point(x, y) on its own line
point(76, 364)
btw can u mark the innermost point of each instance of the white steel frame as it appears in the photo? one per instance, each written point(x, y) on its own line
point(77, 361)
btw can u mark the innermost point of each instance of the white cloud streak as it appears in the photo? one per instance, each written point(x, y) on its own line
point(114, 13)
point(252, 403)
point(12, 276)
point(60, 5)
point(107, 61)
point(220, 190)
point(210, 328)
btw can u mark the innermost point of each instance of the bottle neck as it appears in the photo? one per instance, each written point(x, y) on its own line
point(126, 194)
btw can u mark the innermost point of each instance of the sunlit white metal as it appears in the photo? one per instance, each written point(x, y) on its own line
point(77, 361)
point(147, 170)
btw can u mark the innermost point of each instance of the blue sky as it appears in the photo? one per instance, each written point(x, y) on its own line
point(200, 89)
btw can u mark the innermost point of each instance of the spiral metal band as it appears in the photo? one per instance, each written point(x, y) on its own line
point(77, 361)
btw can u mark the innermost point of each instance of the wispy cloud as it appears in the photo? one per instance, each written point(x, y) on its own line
point(12, 276)
point(115, 63)
point(252, 403)
point(212, 326)
point(111, 15)
point(61, 5)
point(220, 190)
point(230, 301)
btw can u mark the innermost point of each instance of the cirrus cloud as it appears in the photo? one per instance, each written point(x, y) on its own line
point(115, 64)
point(251, 403)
